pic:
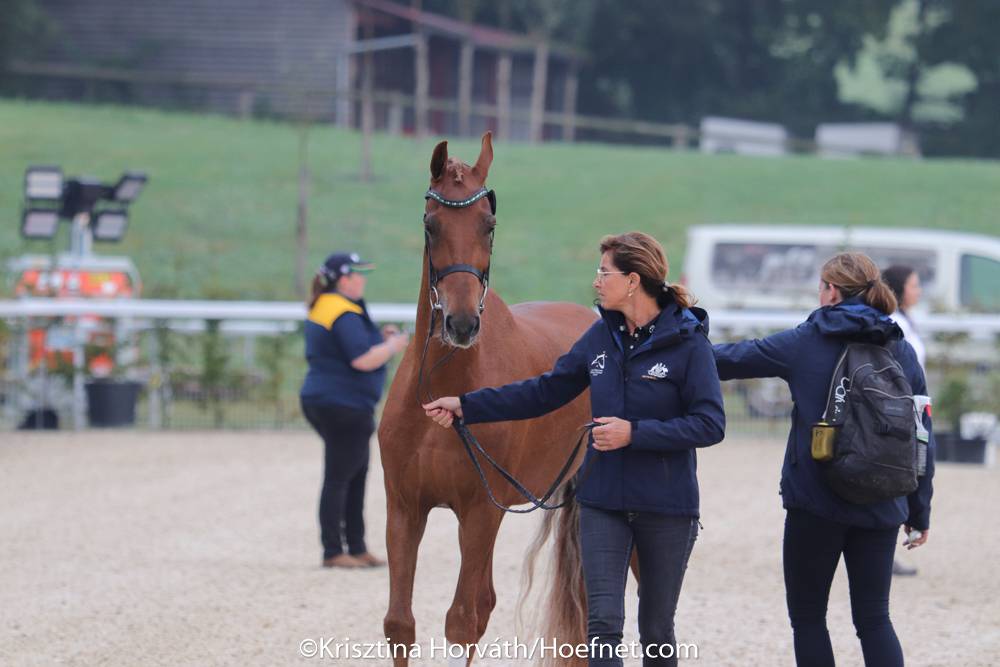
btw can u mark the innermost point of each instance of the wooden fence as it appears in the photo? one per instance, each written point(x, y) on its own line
point(318, 104)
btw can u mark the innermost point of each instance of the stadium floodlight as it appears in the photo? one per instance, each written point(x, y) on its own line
point(43, 183)
point(129, 186)
point(109, 225)
point(97, 211)
point(39, 223)
point(81, 195)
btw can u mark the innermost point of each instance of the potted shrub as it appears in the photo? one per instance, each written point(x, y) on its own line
point(111, 397)
point(953, 401)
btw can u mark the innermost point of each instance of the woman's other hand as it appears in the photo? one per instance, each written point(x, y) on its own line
point(614, 433)
point(444, 410)
point(913, 544)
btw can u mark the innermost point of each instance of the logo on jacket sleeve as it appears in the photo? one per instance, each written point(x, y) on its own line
point(656, 372)
point(597, 365)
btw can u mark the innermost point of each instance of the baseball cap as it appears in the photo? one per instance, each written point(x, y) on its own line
point(342, 263)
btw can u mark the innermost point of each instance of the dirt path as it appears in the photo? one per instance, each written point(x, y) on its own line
point(200, 549)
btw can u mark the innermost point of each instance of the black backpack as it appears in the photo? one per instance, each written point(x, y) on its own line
point(875, 447)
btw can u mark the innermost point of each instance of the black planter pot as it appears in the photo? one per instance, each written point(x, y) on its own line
point(111, 402)
point(951, 447)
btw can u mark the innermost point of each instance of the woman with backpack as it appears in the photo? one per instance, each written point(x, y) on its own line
point(820, 524)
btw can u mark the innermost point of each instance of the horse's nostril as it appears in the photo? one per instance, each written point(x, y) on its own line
point(461, 326)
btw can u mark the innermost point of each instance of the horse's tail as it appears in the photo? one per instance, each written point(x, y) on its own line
point(565, 612)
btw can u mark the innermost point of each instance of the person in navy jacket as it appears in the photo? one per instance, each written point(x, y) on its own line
point(819, 525)
point(347, 355)
point(655, 392)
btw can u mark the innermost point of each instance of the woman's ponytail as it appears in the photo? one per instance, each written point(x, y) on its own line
point(675, 293)
point(880, 297)
point(319, 284)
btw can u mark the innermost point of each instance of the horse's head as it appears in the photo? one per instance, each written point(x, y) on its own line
point(458, 225)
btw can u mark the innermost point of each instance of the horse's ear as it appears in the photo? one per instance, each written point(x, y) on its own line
point(439, 160)
point(482, 167)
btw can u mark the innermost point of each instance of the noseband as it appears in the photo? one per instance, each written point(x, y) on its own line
point(433, 274)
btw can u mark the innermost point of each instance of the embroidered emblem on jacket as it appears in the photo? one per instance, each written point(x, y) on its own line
point(656, 372)
point(597, 365)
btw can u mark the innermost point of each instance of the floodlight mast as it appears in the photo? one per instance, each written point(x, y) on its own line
point(75, 200)
point(48, 197)
point(81, 239)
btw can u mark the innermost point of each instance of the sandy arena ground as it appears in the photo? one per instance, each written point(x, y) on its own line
point(201, 549)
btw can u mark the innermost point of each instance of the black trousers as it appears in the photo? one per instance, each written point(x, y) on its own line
point(664, 544)
point(346, 433)
point(812, 550)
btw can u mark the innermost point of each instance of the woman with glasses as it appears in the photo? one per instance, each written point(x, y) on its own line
point(347, 356)
point(655, 397)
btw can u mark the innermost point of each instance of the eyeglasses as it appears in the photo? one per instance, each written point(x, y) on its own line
point(602, 274)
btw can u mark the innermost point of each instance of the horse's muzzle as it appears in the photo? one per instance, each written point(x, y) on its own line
point(461, 330)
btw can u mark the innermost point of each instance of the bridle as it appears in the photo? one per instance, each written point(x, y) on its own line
point(469, 441)
point(433, 275)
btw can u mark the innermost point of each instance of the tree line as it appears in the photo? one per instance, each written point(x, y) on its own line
point(932, 66)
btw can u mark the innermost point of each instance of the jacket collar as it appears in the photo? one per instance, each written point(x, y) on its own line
point(853, 319)
point(673, 325)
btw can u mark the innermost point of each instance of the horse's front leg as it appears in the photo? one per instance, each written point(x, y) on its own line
point(404, 528)
point(487, 598)
point(469, 613)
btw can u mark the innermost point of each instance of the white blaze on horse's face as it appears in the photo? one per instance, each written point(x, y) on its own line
point(458, 227)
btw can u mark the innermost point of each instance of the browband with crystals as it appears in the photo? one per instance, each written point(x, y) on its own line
point(463, 203)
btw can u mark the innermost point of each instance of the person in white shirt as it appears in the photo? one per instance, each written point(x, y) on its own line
point(905, 284)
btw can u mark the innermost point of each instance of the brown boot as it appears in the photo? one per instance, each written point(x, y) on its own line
point(369, 560)
point(343, 560)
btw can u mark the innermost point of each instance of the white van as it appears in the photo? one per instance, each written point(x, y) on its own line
point(776, 267)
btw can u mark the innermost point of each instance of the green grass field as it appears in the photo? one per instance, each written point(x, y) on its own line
point(217, 218)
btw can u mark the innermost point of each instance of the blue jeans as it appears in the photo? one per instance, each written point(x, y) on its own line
point(663, 544)
point(812, 551)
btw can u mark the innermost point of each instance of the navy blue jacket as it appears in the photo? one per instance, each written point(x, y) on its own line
point(337, 332)
point(667, 387)
point(804, 357)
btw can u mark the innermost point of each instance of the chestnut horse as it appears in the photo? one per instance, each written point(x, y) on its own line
point(476, 341)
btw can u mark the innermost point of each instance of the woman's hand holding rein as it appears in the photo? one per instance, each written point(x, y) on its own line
point(444, 410)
